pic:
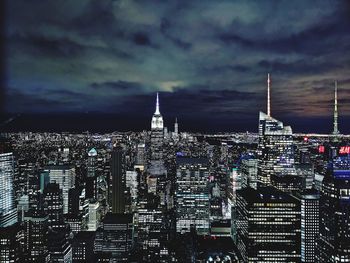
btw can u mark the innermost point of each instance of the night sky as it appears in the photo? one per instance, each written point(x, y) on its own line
point(103, 61)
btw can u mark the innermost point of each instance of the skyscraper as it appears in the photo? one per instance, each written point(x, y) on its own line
point(8, 211)
point(117, 182)
point(157, 136)
point(268, 225)
point(64, 176)
point(334, 242)
point(275, 147)
point(309, 225)
point(192, 195)
point(115, 236)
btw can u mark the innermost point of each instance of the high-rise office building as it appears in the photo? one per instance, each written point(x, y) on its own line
point(59, 247)
point(83, 247)
point(275, 147)
point(268, 225)
point(91, 164)
point(249, 172)
point(115, 236)
point(192, 195)
point(53, 204)
point(8, 211)
point(152, 229)
point(91, 180)
point(36, 224)
point(334, 242)
point(157, 136)
point(309, 224)
point(64, 176)
point(117, 182)
point(10, 240)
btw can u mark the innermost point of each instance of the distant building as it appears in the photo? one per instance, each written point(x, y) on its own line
point(192, 195)
point(8, 210)
point(268, 225)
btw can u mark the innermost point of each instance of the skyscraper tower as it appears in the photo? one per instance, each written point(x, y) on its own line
point(335, 122)
point(275, 147)
point(157, 119)
point(176, 127)
point(8, 211)
point(117, 187)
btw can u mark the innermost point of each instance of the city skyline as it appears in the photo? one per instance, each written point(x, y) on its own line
point(111, 57)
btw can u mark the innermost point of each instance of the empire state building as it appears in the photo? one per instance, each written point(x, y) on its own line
point(157, 119)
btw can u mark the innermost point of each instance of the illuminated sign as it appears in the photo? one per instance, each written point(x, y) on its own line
point(321, 149)
point(344, 150)
point(306, 139)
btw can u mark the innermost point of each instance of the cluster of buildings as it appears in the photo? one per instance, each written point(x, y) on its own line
point(162, 196)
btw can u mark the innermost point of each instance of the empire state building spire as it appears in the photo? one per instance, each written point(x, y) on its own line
point(157, 105)
point(335, 122)
point(268, 96)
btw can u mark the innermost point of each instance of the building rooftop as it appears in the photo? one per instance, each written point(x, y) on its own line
point(113, 218)
point(189, 160)
point(265, 194)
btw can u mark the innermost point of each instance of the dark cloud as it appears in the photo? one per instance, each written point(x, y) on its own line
point(209, 57)
point(118, 86)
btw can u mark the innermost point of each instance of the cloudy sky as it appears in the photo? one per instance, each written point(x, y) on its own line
point(208, 59)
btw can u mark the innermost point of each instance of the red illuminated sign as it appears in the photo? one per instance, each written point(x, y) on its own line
point(321, 149)
point(306, 139)
point(344, 150)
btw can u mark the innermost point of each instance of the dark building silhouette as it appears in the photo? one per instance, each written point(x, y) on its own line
point(117, 182)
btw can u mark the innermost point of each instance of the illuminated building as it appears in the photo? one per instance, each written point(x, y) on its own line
point(94, 216)
point(10, 238)
point(275, 147)
point(59, 247)
point(115, 236)
point(64, 176)
point(156, 167)
point(83, 247)
point(334, 242)
point(8, 211)
point(53, 204)
point(36, 229)
point(192, 195)
point(91, 180)
point(268, 225)
point(152, 230)
point(309, 225)
point(249, 170)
